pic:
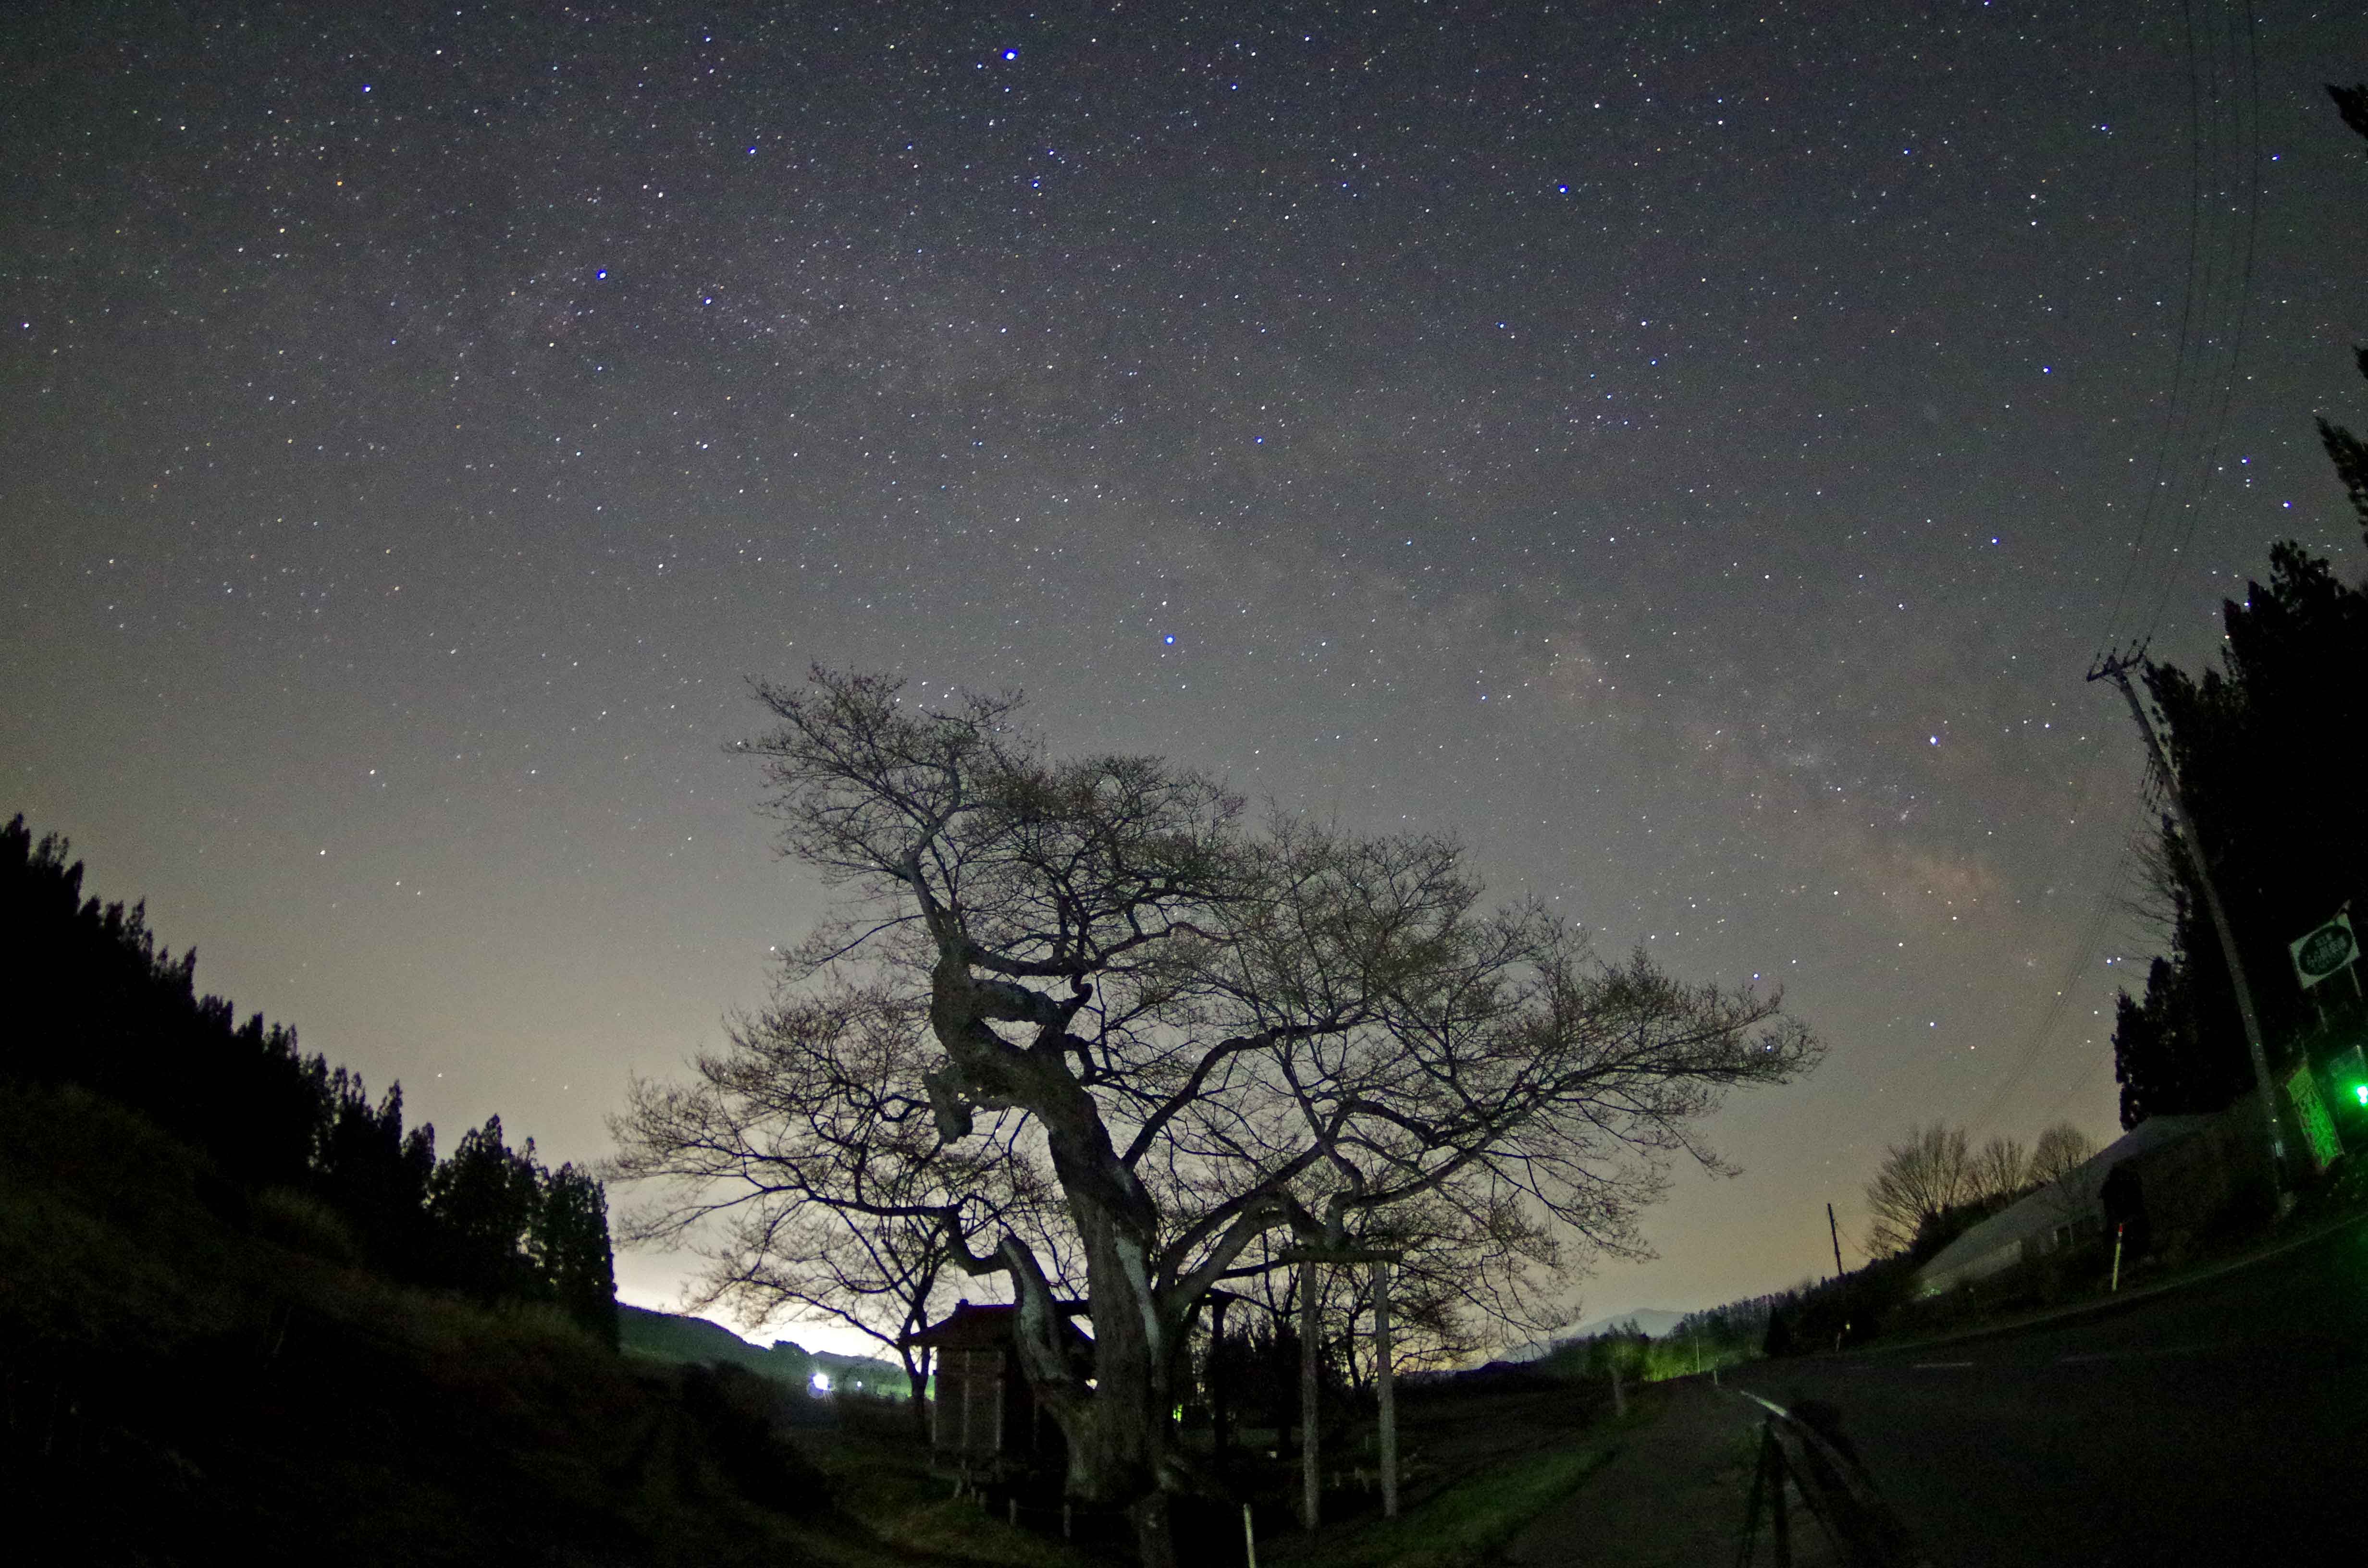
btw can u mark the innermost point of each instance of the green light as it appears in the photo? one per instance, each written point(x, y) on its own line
point(2360, 1092)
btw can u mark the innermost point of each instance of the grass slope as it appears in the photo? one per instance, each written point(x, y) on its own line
point(192, 1373)
point(1469, 1522)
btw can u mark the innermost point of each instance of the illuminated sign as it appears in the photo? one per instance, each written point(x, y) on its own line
point(2329, 950)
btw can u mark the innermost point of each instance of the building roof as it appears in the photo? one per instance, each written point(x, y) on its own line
point(2078, 1192)
point(971, 1327)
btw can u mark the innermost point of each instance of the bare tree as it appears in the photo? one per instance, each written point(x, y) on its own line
point(1999, 1171)
point(1936, 1170)
point(802, 1163)
point(1920, 1179)
point(1462, 1278)
point(1452, 1284)
point(1226, 1032)
point(2061, 1149)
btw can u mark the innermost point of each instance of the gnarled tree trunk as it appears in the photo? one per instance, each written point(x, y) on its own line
point(1284, 1021)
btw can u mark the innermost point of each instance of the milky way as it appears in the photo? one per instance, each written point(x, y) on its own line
point(1690, 452)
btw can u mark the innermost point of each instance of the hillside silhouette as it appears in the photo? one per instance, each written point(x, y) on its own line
point(247, 1315)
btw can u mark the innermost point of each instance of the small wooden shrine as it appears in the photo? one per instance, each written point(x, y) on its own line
point(985, 1421)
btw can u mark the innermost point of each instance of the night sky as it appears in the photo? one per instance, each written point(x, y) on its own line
point(1691, 451)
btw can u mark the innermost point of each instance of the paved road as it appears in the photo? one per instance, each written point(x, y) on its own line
point(2223, 1422)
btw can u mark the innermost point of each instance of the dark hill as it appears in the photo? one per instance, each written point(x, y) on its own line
point(670, 1337)
point(194, 1371)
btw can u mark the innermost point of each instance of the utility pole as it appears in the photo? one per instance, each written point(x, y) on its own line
point(2117, 670)
point(1835, 1231)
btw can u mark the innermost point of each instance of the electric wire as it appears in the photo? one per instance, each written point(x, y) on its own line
point(2167, 433)
point(2112, 898)
point(2224, 158)
point(2250, 132)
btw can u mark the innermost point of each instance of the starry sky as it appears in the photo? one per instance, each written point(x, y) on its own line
point(1693, 451)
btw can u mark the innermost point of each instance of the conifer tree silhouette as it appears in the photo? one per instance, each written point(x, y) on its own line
point(571, 1249)
point(96, 1003)
point(482, 1199)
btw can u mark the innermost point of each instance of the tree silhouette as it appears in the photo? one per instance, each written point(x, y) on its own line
point(1920, 1179)
point(569, 1243)
point(484, 1200)
point(2253, 745)
point(2061, 1149)
point(376, 1174)
point(805, 1166)
point(1226, 1030)
point(99, 1004)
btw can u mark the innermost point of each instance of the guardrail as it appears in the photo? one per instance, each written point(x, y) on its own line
point(1835, 1488)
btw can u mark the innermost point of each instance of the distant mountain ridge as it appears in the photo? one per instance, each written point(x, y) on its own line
point(1653, 1322)
point(673, 1336)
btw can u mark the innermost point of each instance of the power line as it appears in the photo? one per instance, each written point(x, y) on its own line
point(2158, 479)
point(2111, 898)
point(2224, 157)
point(2249, 130)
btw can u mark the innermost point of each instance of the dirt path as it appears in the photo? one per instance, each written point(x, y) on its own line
point(1672, 1497)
